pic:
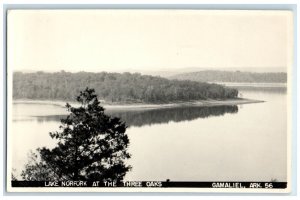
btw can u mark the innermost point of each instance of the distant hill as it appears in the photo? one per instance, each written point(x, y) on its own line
point(114, 87)
point(229, 76)
point(167, 72)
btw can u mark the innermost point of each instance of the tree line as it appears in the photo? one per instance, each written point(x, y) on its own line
point(233, 76)
point(114, 87)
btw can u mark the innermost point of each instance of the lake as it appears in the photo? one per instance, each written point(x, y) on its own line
point(223, 143)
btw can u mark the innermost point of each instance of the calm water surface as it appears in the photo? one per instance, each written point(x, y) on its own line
point(224, 143)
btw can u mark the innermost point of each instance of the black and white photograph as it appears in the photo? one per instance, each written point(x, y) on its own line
point(149, 100)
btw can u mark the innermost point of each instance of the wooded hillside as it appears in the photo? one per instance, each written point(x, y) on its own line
point(114, 87)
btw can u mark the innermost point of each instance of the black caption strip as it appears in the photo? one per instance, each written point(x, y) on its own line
point(151, 184)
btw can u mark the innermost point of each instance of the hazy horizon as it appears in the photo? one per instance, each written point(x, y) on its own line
point(148, 40)
point(166, 72)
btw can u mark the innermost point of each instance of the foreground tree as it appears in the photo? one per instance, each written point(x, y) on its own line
point(91, 145)
point(37, 169)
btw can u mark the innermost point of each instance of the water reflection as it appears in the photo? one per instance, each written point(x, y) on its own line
point(158, 116)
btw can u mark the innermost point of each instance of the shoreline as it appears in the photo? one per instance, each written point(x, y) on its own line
point(144, 106)
point(252, 85)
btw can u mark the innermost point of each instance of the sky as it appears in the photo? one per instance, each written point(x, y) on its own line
point(117, 40)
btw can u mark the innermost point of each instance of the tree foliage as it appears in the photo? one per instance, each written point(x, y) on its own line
point(91, 146)
point(115, 87)
point(37, 169)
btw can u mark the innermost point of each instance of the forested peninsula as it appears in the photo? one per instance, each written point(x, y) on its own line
point(115, 87)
